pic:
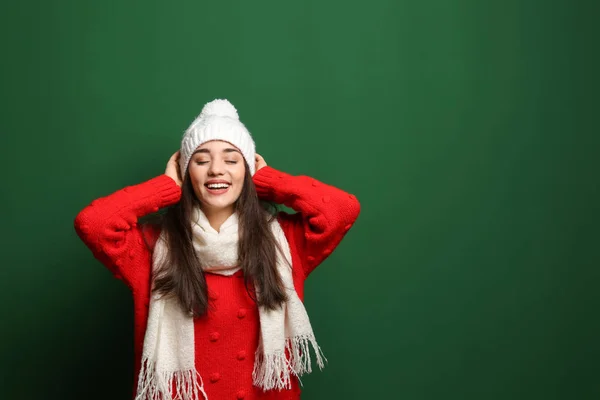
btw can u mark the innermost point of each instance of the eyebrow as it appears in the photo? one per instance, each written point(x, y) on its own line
point(227, 150)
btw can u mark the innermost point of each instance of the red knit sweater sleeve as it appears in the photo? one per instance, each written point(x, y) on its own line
point(324, 213)
point(108, 226)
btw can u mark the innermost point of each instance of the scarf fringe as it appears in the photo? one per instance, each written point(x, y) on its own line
point(154, 385)
point(272, 371)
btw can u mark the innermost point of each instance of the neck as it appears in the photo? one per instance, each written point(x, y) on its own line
point(216, 217)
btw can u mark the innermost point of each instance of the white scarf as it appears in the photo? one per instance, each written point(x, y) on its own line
point(168, 354)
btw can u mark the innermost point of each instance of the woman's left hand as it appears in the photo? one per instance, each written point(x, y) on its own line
point(259, 162)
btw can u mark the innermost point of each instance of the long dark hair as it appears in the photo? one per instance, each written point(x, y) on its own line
point(180, 273)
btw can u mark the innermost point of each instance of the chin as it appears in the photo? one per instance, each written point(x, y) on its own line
point(213, 202)
point(218, 206)
point(215, 205)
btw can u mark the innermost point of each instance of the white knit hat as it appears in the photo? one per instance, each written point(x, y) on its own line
point(218, 120)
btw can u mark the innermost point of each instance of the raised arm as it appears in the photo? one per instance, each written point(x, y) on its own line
point(324, 213)
point(108, 226)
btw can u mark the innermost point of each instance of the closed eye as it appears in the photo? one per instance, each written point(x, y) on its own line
point(204, 162)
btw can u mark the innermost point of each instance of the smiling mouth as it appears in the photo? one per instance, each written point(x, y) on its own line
point(217, 188)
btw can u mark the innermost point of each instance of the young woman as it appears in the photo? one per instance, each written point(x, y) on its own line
point(218, 284)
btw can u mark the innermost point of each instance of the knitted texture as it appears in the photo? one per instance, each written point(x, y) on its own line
point(229, 331)
point(218, 120)
point(169, 356)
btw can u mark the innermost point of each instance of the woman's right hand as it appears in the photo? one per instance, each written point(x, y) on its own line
point(172, 169)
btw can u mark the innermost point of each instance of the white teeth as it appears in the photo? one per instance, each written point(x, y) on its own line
point(218, 186)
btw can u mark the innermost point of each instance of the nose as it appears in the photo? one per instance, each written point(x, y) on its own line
point(215, 168)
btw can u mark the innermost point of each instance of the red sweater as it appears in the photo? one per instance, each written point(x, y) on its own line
point(228, 335)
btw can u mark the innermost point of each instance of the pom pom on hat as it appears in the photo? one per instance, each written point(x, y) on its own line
point(218, 120)
point(219, 108)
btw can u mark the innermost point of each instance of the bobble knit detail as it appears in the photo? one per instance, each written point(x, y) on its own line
point(313, 233)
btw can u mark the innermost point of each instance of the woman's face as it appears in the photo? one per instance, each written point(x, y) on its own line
point(217, 173)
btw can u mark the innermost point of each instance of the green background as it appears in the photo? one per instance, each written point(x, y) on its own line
point(466, 129)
